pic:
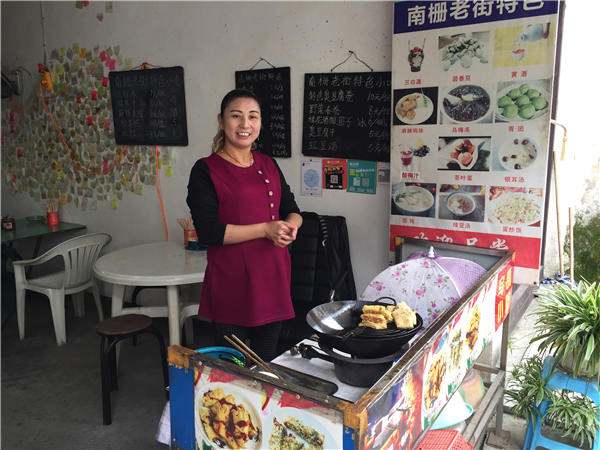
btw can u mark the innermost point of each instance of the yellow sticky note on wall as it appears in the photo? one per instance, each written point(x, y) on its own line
point(62, 51)
point(169, 171)
point(82, 52)
point(113, 203)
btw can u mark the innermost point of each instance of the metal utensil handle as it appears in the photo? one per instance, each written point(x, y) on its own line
point(389, 298)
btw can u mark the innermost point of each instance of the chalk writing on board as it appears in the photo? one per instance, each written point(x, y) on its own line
point(272, 87)
point(149, 106)
point(347, 115)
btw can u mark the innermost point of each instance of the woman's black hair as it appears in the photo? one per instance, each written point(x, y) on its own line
point(238, 93)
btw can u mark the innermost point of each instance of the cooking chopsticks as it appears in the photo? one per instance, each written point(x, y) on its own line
point(239, 344)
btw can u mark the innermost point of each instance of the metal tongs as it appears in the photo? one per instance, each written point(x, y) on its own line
point(239, 344)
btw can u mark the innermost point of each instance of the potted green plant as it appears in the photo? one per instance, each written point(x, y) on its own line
point(575, 416)
point(572, 415)
point(526, 388)
point(568, 326)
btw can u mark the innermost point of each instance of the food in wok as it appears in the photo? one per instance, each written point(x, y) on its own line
point(378, 316)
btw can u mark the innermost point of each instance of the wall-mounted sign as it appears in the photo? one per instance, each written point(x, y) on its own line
point(347, 115)
point(272, 87)
point(472, 94)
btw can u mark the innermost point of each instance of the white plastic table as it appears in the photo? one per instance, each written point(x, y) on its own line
point(156, 264)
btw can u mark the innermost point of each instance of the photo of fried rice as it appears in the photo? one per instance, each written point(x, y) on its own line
point(516, 208)
point(226, 423)
point(435, 378)
point(294, 435)
point(473, 329)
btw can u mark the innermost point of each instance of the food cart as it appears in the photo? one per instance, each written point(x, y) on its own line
point(394, 410)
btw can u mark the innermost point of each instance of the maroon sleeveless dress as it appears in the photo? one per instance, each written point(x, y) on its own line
point(246, 284)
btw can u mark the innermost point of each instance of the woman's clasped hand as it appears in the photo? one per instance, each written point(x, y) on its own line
point(282, 233)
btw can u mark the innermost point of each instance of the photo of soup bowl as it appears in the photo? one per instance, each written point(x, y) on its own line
point(413, 200)
point(461, 204)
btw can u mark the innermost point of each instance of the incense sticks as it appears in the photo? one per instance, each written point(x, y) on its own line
point(52, 206)
point(186, 223)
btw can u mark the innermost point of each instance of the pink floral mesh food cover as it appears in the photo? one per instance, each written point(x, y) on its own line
point(427, 282)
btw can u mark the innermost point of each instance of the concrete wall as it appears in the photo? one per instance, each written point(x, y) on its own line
point(212, 40)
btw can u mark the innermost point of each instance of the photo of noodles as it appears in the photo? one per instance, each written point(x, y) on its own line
point(225, 422)
point(435, 378)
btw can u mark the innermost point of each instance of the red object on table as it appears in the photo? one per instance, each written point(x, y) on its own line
point(444, 440)
point(52, 218)
point(189, 235)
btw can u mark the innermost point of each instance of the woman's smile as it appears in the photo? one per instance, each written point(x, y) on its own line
point(241, 123)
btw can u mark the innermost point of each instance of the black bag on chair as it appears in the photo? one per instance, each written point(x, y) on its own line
point(321, 270)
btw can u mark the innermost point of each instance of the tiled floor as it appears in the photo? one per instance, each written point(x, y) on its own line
point(518, 349)
point(51, 395)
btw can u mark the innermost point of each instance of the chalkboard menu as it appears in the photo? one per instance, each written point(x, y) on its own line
point(149, 106)
point(272, 87)
point(347, 115)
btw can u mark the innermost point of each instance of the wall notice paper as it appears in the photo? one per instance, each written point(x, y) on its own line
point(311, 178)
point(335, 172)
point(472, 94)
point(362, 176)
point(383, 172)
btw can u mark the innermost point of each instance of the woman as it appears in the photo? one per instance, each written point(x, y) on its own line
point(244, 211)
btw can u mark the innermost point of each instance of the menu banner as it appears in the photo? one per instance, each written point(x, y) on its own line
point(472, 85)
point(404, 412)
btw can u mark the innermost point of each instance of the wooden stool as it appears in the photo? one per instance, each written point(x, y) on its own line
point(112, 331)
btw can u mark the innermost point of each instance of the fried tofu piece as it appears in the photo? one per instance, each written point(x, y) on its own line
point(378, 309)
point(375, 321)
point(403, 320)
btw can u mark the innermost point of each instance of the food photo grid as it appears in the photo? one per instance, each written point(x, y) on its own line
point(471, 116)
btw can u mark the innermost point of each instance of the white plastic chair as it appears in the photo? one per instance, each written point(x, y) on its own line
point(79, 256)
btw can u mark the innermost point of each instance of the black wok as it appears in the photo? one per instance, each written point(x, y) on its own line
point(352, 371)
point(336, 324)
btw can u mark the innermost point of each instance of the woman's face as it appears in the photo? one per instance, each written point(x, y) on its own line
point(241, 122)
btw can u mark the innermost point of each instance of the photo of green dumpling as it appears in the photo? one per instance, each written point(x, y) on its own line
point(539, 103)
point(514, 93)
point(520, 101)
point(510, 111)
point(527, 111)
point(504, 101)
